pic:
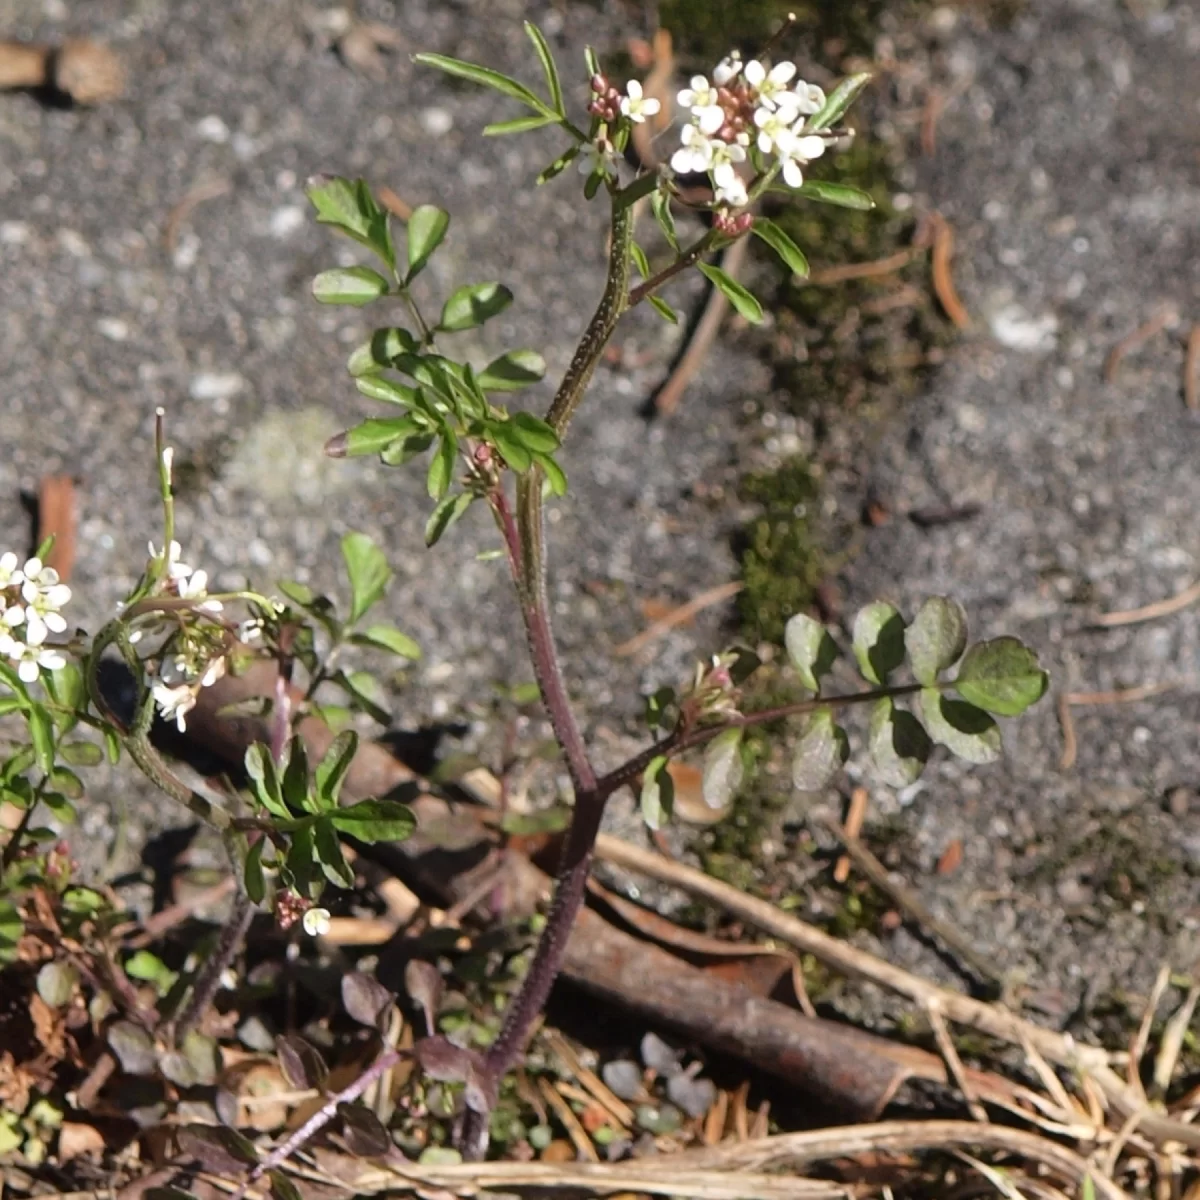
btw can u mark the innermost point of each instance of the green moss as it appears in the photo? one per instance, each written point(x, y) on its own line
point(781, 565)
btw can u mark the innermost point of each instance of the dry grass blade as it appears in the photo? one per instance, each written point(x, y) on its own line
point(569, 1121)
point(1150, 612)
point(599, 1091)
point(1121, 695)
point(203, 190)
point(896, 1137)
point(945, 1044)
point(1172, 1041)
point(1070, 750)
point(655, 1177)
point(678, 616)
point(1141, 1038)
point(864, 270)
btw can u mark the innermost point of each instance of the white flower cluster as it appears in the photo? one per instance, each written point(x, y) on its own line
point(30, 599)
point(746, 100)
point(195, 661)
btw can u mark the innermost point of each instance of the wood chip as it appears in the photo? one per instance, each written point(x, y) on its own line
point(1191, 369)
point(951, 858)
point(399, 208)
point(853, 827)
point(58, 517)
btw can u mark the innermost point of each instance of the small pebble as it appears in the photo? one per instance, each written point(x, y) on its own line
point(215, 385)
point(113, 328)
point(212, 129)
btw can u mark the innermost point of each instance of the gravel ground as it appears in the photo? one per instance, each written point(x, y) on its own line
point(1067, 163)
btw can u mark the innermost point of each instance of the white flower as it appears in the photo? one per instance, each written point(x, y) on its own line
point(175, 568)
point(168, 457)
point(9, 574)
point(775, 127)
point(727, 68)
point(599, 159)
point(44, 596)
point(807, 97)
point(701, 99)
point(174, 702)
point(30, 656)
point(250, 631)
point(316, 922)
point(724, 153)
point(799, 154)
point(195, 587)
point(695, 156)
point(770, 85)
point(731, 189)
point(215, 670)
point(13, 616)
point(636, 106)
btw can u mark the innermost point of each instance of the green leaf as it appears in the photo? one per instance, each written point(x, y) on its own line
point(742, 301)
point(350, 207)
point(368, 571)
point(936, 638)
point(366, 691)
point(663, 309)
point(298, 593)
point(375, 387)
point(41, 733)
point(534, 433)
point(426, 228)
point(333, 768)
point(658, 793)
point(56, 983)
point(256, 885)
point(473, 304)
point(1001, 676)
point(810, 648)
point(511, 446)
point(783, 245)
point(559, 165)
point(282, 1188)
point(329, 851)
point(441, 467)
point(841, 194)
point(405, 449)
point(512, 371)
point(556, 479)
point(446, 513)
point(376, 821)
point(149, 968)
point(551, 71)
point(639, 260)
point(485, 77)
point(68, 690)
point(660, 206)
point(962, 728)
point(838, 102)
point(518, 125)
point(370, 437)
point(260, 767)
point(112, 745)
point(898, 746)
point(349, 285)
point(81, 754)
point(67, 782)
point(388, 638)
point(822, 749)
point(723, 769)
point(878, 641)
point(295, 777)
point(377, 353)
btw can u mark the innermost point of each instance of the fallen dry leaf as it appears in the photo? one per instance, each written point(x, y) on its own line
point(951, 858)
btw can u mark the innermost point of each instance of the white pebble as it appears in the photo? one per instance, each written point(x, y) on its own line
point(212, 129)
point(436, 122)
point(113, 328)
point(1017, 329)
point(215, 385)
point(286, 220)
point(14, 233)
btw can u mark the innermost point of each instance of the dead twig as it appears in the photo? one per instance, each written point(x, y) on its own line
point(943, 282)
point(678, 616)
point(864, 270)
point(1141, 1037)
point(569, 1121)
point(58, 517)
point(1150, 612)
point(599, 1091)
point(1135, 340)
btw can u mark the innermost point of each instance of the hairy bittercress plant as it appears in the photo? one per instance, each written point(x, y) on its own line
point(754, 127)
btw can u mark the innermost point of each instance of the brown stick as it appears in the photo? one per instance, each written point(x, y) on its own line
point(58, 516)
point(943, 281)
point(855, 815)
point(1149, 612)
point(1191, 369)
point(1135, 340)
